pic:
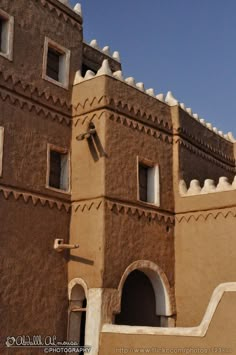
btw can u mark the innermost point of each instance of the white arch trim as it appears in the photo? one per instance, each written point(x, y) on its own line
point(80, 282)
point(199, 331)
point(164, 300)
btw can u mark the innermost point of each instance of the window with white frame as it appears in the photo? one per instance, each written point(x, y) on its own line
point(6, 35)
point(58, 168)
point(148, 183)
point(1, 148)
point(56, 63)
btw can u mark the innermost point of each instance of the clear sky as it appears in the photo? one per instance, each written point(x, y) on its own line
point(185, 46)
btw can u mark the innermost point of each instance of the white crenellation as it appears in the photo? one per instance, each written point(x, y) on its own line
point(130, 80)
point(160, 97)
point(140, 86)
point(78, 9)
point(208, 187)
point(118, 75)
point(150, 92)
point(169, 99)
point(105, 69)
point(105, 50)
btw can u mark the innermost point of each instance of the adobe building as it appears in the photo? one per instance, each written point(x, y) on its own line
point(142, 185)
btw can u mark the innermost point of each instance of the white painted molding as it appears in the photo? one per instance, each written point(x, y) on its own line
point(199, 331)
point(7, 35)
point(64, 64)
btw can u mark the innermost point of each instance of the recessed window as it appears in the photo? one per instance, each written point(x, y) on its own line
point(1, 148)
point(58, 168)
point(56, 63)
point(6, 35)
point(148, 183)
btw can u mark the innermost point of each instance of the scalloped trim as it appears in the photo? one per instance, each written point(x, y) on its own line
point(214, 214)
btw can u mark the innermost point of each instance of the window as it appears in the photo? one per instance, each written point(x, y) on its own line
point(58, 168)
point(148, 183)
point(6, 35)
point(56, 63)
point(1, 148)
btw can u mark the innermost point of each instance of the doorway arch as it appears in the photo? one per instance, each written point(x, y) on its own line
point(144, 285)
point(77, 311)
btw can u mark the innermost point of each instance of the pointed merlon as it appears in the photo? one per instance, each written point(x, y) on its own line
point(234, 183)
point(231, 137)
point(89, 75)
point(78, 9)
point(224, 184)
point(116, 56)
point(182, 188)
point(203, 122)
point(195, 115)
point(106, 50)
point(209, 186)
point(189, 110)
point(118, 75)
point(140, 86)
point(94, 44)
point(105, 69)
point(182, 105)
point(160, 97)
point(130, 80)
point(194, 188)
point(78, 77)
point(209, 126)
point(150, 92)
point(170, 99)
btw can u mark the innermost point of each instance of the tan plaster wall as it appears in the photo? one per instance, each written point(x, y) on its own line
point(221, 334)
point(205, 257)
point(33, 275)
point(33, 22)
point(87, 229)
point(130, 238)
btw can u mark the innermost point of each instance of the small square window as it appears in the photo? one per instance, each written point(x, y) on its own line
point(53, 64)
point(56, 63)
point(58, 169)
point(148, 183)
point(6, 35)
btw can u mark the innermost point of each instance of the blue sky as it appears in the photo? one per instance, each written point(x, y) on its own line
point(185, 46)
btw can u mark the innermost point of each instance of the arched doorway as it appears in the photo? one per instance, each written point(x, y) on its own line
point(77, 315)
point(138, 303)
point(146, 298)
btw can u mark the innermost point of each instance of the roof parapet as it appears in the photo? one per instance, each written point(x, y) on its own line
point(77, 8)
point(106, 50)
point(208, 187)
point(169, 99)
